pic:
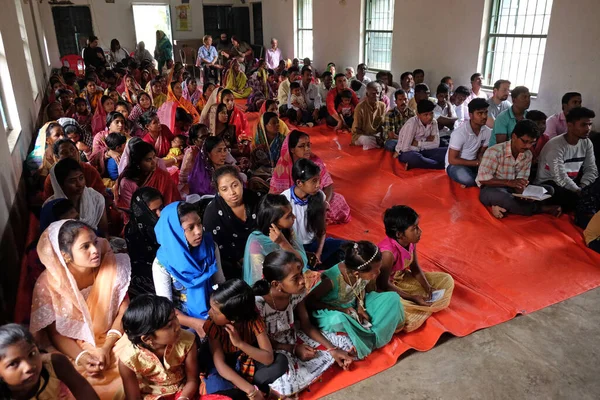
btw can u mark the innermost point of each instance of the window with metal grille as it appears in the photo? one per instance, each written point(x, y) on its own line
point(516, 42)
point(379, 26)
point(304, 46)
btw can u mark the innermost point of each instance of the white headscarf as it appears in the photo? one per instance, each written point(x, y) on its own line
point(91, 206)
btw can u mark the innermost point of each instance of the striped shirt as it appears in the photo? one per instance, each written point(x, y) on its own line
point(499, 163)
point(560, 162)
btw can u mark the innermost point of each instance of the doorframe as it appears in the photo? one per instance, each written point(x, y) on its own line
point(146, 3)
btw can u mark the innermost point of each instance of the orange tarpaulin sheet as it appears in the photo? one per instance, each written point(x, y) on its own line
point(500, 267)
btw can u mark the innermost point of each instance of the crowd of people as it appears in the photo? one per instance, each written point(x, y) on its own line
point(182, 254)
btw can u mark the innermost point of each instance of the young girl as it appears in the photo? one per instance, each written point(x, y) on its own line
point(27, 374)
point(157, 359)
point(421, 293)
point(344, 303)
point(280, 302)
point(309, 206)
point(242, 353)
point(274, 221)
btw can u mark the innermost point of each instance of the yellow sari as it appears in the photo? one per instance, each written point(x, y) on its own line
point(237, 84)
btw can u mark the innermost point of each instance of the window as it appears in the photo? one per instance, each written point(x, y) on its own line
point(379, 26)
point(26, 48)
point(305, 26)
point(8, 106)
point(516, 42)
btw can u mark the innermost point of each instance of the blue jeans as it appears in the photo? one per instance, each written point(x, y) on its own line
point(424, 159)
point(462, 174)
point(332, 253)
point(390, 145)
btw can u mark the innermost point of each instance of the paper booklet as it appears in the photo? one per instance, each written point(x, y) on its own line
point(534, 192)
point(436, 295)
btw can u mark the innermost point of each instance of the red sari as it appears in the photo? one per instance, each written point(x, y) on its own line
point(163, 143)
point(159, 180)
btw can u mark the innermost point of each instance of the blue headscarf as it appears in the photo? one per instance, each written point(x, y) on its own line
point(192, 267)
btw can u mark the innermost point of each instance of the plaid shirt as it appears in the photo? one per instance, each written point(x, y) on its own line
point(394, 120)
point(499, 163)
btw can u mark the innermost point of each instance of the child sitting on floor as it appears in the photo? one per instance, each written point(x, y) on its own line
point(157, 359)
point(310, 208)
point(421, 293)
point(298, 111)
point(344, 106)
point(242, 353)
point(280, 302)
point(82, 113)
point(345, 302)
point(115, 142)
point(178, 145)
point(25, 373)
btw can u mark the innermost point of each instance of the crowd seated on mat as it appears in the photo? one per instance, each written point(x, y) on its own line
point(226, 268)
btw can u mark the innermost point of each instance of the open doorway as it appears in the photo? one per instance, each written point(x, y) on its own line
point(147, 20)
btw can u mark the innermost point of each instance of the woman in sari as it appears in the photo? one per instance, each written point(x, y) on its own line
point(130, 90)
point(190, 91)
point(68, 182)
point(219, 126)
point(156, 93)
point(91, 94)
point(146, 205)
point(207, 91)
point(41, 158)
point(157, 135)
point(53, 112)
point(296, 146)
point(79, 300)
point(236, 81)
point(175, 100)
point(140, 172)
point(163, 50)
point(197, 135)
point(213, 155)
point(231, 217)
point(115, 123)
point(144, 105)
point(107, 106)
point(274, 221)
point(52, 211)
point(187, 264)
point(236, 115)
point(269, 132)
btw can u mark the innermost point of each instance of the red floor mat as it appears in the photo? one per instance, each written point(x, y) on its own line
point(501, 267)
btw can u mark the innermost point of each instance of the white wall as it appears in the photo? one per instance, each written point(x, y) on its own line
point(337, 29)
point(115, 20)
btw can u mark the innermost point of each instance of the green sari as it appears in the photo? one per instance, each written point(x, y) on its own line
point(163, 51)
point(385, 310)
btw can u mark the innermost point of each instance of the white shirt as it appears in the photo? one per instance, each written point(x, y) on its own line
point(443, 112)
point(481, 95)
point(464, 140)
point(323, 91)
point(460, 111)
point(312, 96)
point(302, 234)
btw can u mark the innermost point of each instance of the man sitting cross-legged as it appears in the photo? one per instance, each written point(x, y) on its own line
point(504, 170)
point(506, 120)
point(395, 119)
point(467, 145)
point(419, 140)
point(368, 119)
point(565, 156)
point(334, 119)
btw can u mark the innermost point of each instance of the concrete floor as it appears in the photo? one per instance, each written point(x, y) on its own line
point(550, 354)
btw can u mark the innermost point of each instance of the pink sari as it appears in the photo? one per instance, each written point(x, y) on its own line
point(99, 119)
point(338, 211)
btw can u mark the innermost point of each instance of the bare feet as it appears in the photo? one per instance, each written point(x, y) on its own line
point(498, 212)
point(553, 210)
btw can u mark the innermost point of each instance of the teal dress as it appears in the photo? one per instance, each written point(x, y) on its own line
point(385, 310)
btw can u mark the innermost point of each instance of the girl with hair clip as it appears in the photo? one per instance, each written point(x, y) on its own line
point(25, 373)
point(241, 351)
point(280, 302)
point(157, 359)
point(310, 207)
point(274, 221)
point(421, 293)
point(344, 302)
